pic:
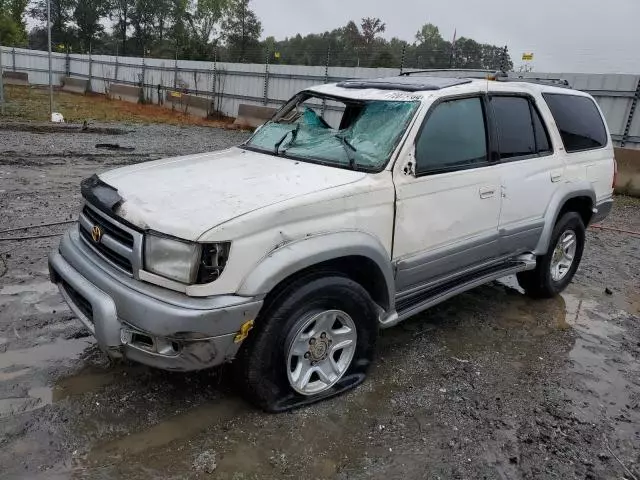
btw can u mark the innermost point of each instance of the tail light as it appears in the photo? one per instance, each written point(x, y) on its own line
point(615, 173)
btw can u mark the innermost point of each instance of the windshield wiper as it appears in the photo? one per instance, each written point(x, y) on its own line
point(294, 135)
point(349, 150)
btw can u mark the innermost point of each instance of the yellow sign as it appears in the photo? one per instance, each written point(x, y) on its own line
point(527, 56)
point(276, 54)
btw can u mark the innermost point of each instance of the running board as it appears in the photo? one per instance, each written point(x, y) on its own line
point(422, 300)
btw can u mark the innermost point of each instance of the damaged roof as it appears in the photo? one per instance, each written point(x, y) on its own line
point(404, 83)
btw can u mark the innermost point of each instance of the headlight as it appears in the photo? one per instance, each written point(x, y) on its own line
point(183, 261)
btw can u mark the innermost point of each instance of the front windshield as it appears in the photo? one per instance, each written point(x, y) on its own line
point(358, 134)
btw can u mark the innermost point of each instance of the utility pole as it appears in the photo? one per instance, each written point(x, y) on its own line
point(50, 72)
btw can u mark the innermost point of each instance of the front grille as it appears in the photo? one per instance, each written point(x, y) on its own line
point(119, 245)
point(79, 301)
point(122, 262)
point(116, 232)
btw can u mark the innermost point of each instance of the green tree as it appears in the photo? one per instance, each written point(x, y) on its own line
point(121, 13)
point(143, 21)
point(242, 30)
point(61, 11)
point(87, 15)
point(371, 27)
point(12, 26)
point(10, 32)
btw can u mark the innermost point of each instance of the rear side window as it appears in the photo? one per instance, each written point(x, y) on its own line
point(453, 137)
point(579, 121)
point(515, 129)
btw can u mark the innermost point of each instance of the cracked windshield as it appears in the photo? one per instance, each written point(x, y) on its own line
point(346, 133)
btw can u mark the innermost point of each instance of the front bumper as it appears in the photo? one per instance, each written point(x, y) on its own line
point(143, 322)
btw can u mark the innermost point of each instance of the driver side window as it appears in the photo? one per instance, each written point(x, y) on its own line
point(453, 137)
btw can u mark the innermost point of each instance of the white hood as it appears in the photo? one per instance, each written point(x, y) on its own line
point(186, 196)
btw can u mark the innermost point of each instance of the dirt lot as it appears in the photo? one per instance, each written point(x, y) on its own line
point(32, 103)
point(488, 385)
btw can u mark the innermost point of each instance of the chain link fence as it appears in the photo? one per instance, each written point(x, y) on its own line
point(226, 85)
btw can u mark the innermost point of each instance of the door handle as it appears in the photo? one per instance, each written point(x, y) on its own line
point(487, 192)
point(556, 176)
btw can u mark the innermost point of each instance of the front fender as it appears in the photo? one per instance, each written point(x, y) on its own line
point(299, 254)
point(560, 197)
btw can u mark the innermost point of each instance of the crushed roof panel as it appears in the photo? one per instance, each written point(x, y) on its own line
point(404, 83)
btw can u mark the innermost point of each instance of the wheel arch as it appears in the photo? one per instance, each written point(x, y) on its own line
point(580, 199)
point(357, 255)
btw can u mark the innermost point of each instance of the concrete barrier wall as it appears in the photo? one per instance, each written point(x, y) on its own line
point(189, 104)
point(253, 116)
point(628, 181)
point(75, 85)
point(127, 93)
point(15, 78)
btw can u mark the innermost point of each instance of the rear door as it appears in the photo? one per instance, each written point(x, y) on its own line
point(588, 146)
point(530, 170)
point(447, 209)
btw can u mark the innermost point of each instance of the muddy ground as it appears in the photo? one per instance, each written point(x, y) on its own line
point(488, 385)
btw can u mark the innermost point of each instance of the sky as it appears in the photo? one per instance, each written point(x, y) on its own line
point(591, 36)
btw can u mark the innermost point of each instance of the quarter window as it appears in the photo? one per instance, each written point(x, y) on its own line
point(578, 120)
point(453, 137)
point(542, 136)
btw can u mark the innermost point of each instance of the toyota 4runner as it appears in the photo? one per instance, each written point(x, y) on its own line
point(357, 206)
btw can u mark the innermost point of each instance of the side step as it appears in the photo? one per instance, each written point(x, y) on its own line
point(422, 300)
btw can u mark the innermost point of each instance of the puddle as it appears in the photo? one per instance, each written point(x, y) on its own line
point(43, 296)
point(601, 365)
point(36, 398)
point(41, 355)
point(179, 427)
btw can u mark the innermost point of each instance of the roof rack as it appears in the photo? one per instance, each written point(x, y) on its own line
point(499, 76)
point(555, 82)
point(432, 70)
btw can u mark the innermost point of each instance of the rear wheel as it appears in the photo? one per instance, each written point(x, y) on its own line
point(316, 339)
point(555, 270)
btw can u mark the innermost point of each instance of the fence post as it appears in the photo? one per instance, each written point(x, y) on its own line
point(90, 69)
point(67, 64)
point(215, 79)
point(632, 110)
point(1, 86)
point(115, 76)
point(175, 71)
point(326, 75)
point(404, 51)
point(265, 100)
point(13, 58)
point(142, 81)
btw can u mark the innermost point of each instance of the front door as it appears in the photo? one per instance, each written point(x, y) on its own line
point(447, 210)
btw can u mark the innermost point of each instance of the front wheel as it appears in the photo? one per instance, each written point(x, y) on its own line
point(555, 270)
point(316, 339)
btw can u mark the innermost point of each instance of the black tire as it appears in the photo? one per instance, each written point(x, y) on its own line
point(261, 362)
point(539, 283)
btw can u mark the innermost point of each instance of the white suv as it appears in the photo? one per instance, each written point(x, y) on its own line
point(357, 206)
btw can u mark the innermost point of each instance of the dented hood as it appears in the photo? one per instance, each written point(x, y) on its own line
point(187, 196)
